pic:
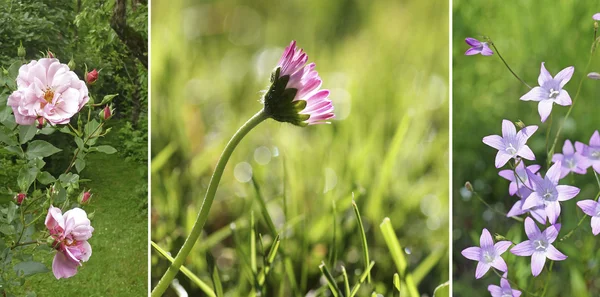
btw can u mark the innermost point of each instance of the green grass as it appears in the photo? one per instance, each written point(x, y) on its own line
point(386, 65)
point(119, 262)
point(484, 92)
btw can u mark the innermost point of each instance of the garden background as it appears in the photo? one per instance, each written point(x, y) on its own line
point(110, 36)
point(385, 63)
point(484, 92)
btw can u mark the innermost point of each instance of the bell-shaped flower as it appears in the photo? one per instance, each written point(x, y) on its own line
point(539, 246)
point(511, 144)
point(488, 254)
point(550, 91)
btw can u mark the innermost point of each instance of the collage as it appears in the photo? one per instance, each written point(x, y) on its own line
point(299, 148)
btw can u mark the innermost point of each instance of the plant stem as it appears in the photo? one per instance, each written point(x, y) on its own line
point(78, 149)
point(25, 243)
point(166, 279)
point(548, 278)
point(506, 64)
point(494, 209)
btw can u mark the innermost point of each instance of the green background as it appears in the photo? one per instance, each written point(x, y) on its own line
point(382, 60)
point(484, 92)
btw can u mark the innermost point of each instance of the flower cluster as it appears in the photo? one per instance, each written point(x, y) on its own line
point(539, 195)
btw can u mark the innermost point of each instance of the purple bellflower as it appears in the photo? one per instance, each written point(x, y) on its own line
point(596, 17)
point(520, 183)
point(488, 255)
point(547, 192)
point(571, 160)
point(539, 246)
point(592, 209)
point(550, 91)
point(511, 144)
point(478, 47)
point(504, 290)
point(591, 153)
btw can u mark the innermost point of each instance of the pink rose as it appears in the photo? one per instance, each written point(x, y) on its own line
point(47, 89)
point(70, 232)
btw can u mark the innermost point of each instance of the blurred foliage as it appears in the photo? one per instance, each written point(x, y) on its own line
point(384, 61)
point(484, 93)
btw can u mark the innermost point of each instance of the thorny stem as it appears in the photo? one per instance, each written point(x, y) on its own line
point(506, 64)
point(551, 151)
point(166, 279)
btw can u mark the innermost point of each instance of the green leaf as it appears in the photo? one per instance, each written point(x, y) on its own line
point(29, 268)
point(26, 177)
point(11, 212)
point(40, 148)
point(46, 178)
point(79, 165)
point(14, 149)
point(107, 149)
point(7, 136)
point(79, 143)
point(7, 229)
point(442, 290)
point(26, 133)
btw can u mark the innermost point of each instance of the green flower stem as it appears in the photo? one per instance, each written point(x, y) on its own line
point(506, 64)
point(166, 279)
point(78, 149)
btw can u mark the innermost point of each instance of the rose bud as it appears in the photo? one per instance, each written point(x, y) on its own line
point(19, 198)
point(91, 77)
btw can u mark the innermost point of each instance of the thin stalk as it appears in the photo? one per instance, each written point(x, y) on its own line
point(78, 149)
point(578, 224)
point(506, 64)
point(166, 279)
point(548, 278)
point(492, 208)
point(514, 285)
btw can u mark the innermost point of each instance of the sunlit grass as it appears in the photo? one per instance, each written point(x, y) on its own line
point(386, 66)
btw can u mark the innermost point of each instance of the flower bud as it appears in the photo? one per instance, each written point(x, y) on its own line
point(84, 197)
point(72, 64)
point(91, 77)
point(520, 124)
point(469, 187)
point(21, 50)
point(594, 75)
point(107, 112)
point(49, 54)
point(19, 198)
point(41, 121)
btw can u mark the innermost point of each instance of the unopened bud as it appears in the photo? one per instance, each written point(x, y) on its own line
point(51, 241)
point(50, 54)
point(469, 186)
point(72, 64)
point(21, 50)
point(594, 75)
point(499, 237)
point(84, 197)
point(107, 112)
point(520, 124)
point(19, 198)
point(91, 77)
point(41, 121)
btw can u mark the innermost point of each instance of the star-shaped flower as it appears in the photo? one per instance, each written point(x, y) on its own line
point(488, 255)
point(504, 290)
point(571, 159)
point(550, 91)
point(511, 144)
point(592, 209)
point(478, 47)
point(539, 246)
point(547, 192)
point(521, 179)
point(591, 153)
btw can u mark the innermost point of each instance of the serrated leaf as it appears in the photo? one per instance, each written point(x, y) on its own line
point(46, 178)
point(40, 148)
point(7, 136)
point(79, 165)
point(7, 229)
point(107, 149)
point(29, 268)
point(26, 133)
point(26, 177)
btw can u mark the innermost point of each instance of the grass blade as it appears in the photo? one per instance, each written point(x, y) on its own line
point(333, 254)
point(346, 282)
point(263, 208)
point(363, 238)
point(396, 288)
point(398, 256)
point(426, 265)
point(196, 280)
point(335, 290)
point(214, 273)
point(361, 280)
